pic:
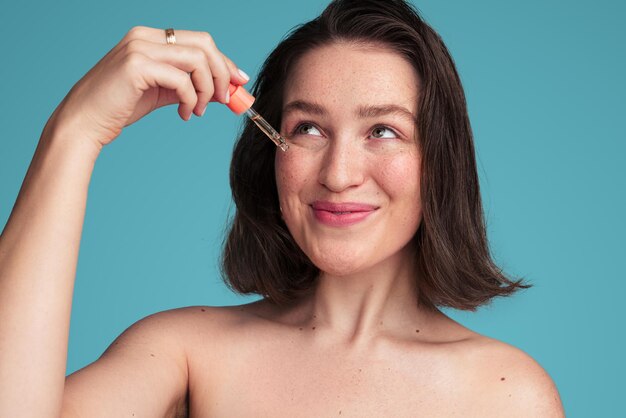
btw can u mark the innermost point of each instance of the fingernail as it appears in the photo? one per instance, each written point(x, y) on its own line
point(227, 96)
point(204, 110)
point(243, 74)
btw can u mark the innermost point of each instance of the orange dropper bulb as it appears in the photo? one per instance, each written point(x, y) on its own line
point(240, 99)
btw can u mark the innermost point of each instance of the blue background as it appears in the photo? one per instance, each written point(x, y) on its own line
point(545, 88)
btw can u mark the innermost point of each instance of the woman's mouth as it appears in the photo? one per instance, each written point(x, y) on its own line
point(341, 214)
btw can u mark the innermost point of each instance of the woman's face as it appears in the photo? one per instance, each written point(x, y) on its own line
point(349, 185)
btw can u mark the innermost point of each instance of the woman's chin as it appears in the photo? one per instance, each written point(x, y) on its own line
point(354, 259)
point(336, 265)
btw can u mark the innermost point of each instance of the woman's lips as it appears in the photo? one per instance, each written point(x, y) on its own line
point(341, 214)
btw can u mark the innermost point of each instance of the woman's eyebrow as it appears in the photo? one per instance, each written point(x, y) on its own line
point(305, 107)
point(362, 112)
point(372, 111)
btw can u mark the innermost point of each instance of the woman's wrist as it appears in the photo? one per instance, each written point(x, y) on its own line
point(66, 132)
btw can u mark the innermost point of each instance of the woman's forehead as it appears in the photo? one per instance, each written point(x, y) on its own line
point(348, 74)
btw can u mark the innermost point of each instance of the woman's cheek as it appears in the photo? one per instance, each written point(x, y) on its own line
point(294, 169)
point(402, 172)
point(294, 175)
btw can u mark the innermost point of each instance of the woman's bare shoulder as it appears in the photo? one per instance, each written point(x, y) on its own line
point(508, 379)
point(185, 323)
point(146, 368)
point(216, 316)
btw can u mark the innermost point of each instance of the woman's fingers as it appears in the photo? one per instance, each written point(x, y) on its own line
point(223, 71)
point(159, 74)
point(221, 75)
point(236, 73)
point(189, 59)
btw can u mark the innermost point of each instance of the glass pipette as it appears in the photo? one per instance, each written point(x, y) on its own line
point(241, 102)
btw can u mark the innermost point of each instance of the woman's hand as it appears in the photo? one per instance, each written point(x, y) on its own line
point(142, 73)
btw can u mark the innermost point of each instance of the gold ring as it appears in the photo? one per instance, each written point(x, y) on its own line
point(170, 38)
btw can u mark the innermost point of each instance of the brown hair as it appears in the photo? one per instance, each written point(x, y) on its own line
point(455, 268)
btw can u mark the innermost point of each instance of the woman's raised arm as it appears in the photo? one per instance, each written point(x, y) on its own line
point(39, 245)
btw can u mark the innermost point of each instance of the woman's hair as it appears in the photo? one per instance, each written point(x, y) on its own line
point(454, 264)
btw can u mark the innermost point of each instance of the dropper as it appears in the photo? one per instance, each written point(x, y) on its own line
point(241, 102)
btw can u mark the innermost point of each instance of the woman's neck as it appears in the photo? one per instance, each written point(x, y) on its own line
point(358, 307)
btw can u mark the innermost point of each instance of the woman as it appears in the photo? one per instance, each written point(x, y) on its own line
point(354, 236)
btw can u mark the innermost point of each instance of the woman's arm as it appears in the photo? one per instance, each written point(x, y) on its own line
point(38, 257)
point(40, 243)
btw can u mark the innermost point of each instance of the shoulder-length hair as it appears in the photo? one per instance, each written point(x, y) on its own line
point(454, 264)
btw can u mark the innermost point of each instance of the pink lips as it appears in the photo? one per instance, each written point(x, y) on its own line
point(341, 214)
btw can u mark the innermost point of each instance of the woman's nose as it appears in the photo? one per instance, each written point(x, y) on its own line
point(342, 166)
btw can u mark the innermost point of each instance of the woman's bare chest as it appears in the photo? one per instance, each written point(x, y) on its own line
point(276, 380)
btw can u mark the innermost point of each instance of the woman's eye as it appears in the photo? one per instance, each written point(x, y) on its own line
point(379, 132)
point(304, 129)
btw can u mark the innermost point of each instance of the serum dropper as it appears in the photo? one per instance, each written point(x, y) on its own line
point(241, 102)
